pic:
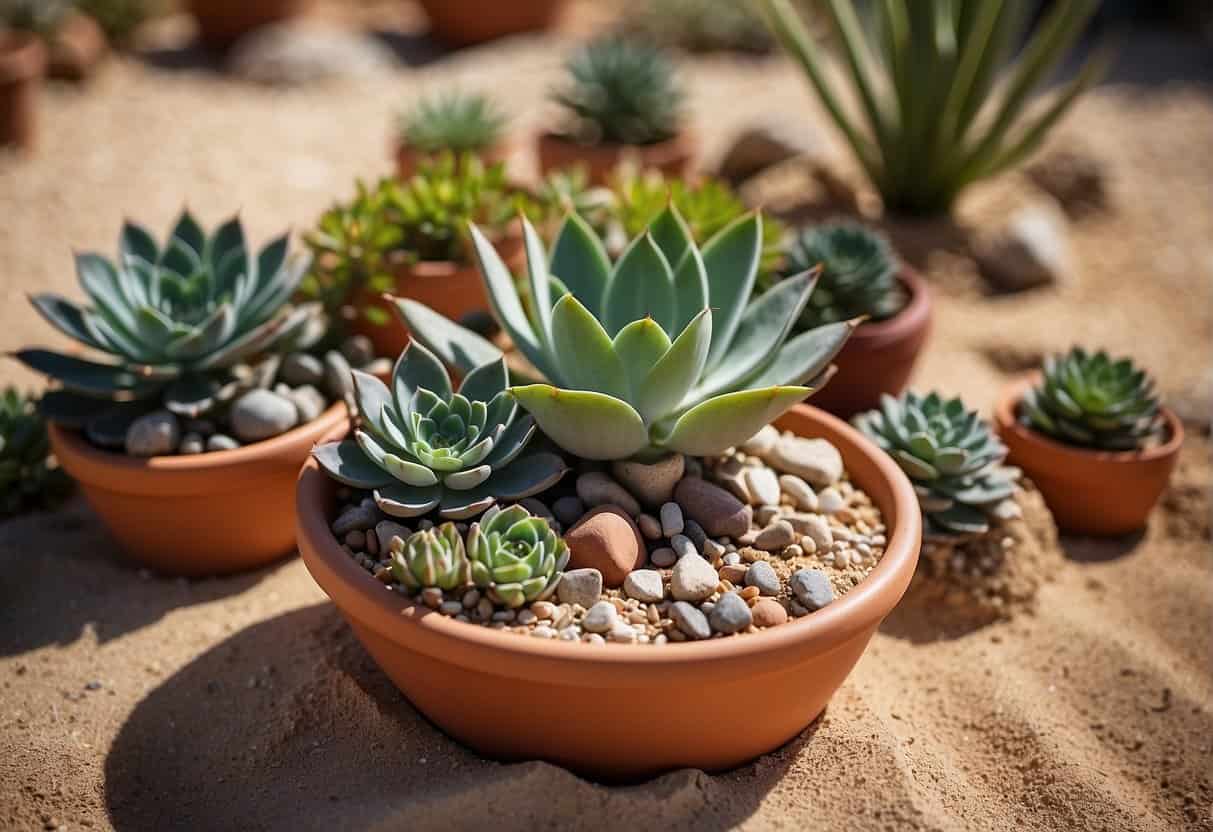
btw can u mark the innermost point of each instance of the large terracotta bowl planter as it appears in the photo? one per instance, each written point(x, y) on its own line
point(879, 356)
point(467, 22)
point(673, 157)
point(1098, 493)
point(222, 22)
point(204, 514)
point(591, 708)
point(22, 66)
point(408, 159)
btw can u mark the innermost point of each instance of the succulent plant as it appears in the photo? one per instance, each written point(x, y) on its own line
point(1093, 401)
point(621, 91)
point(951, 456)
point(564, 192)
point(620, 384)
point(858, 273)
point(423, 446)
point(431, 558)
point(515, 557)
point(28, 478)
point(457, 122)
point(175, 320)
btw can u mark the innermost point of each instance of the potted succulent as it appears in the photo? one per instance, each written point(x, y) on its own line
point(29, 476)
point(1091, 433)
point(459, 123)
point(75, 43)
point(470, 534)
point(222, 22)
point(623, 101)
point(182, 441)
point(22, 65)
point(468, 22)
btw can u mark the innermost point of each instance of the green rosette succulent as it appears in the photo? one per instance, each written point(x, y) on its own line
point(515, 556)
point(858, 273)
point(1093, 401)
point(423, 446)
point(664, 351)
point(431, 558)
point(27, 476)
point(457, 121)
point(952, 458)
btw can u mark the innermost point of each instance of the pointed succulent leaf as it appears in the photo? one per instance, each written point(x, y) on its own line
point(580, 261)
point(418, 369)
point(467, 478)
point(511, 442)
point(731, 258)
point(373, 397)
point(409, 473)
point(805, 356)
point(728, 420)
point(671, 234)
point(100, 282)
point(85, 377)
point(640, 345)
point(641, 285)
point(66, 317)
point(457, 346)
point(690, 288)
point(667, 383)
point(346, 462)
point(188, 231)
point(563, 416)
point(135, 241)
point(584, 351)
point(483, 383)
point(537, 274)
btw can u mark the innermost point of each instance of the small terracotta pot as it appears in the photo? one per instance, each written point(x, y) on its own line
point(22, 66)
point(203, 514)
point(466, 22)
point(407, 158)
point(222, 22)
point(482, 686)
point(673, 157)
point(879, 356)
point(1098, 493)
point(76, 48)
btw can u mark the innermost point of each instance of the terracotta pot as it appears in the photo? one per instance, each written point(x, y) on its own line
point(1098, 493)
point(22, 65)
point(673, 157)
point(222, 22)
point(879, 356)
point(77, 47)
point(483, 687)
point(407, 158)
point(466, 22)
point(204, 514)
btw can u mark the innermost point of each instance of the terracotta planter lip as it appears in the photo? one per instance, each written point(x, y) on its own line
point(912, 317)
point(387, 612)
point(685, 138)
point(1008, 422)
point(22, 55)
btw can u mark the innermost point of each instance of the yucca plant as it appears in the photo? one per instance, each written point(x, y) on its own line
point(932, 118)
point(431, 558)
point(28, 477)
point(421, 445)
point(515, 557)
point(951, 456)
point(858, 273)
point(459, 122)
point(1094, 401)
point(661, 352)
point(175, 321)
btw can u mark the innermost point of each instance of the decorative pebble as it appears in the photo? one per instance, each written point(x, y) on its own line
point(649, 526)
point(606, 539)
point(309, 402)
point(818, 530)
point(775, 536)
point(299, 368)
point(338, 382)
point(358, 350)
point(543, 631)
point(693, 579)
point(358, 517)
point(221, 442)
point(731, 474)
point(696, 533)
point(544, 610)
point(600, 617)
point(800, 492)
point(537, 508)
point(622, 632)
point(768, 612)
point(766, 515)
point(761, 575)
point(761, 443)
point(568, 510)
point(690, 622)
point(261, 414)
point(192, 443)
point(644, 585)
point(730, 615)
point(811, 588)
point(763, 486)
point(154, 434)
point(682, 545)
point(651, 483)
point(664, 558)
point(794, 550)
point(671, 519)
point(716, 510)
point(732, 559)
point(829, 501)
point(597, 489)
point(580, 586)
point(711, 549)
point(808, 545)
point(815, 461)
point(734, 573)
point(385, 530)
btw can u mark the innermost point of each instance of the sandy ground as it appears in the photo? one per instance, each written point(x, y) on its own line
point(133, 702)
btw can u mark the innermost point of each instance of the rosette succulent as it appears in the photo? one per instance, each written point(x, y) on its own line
point(28, 477)
point(658, 353)
point(858, 273)
point(456, 121)
point(515, 556)
point(951, 456)
point(1093, 401)
point(423, 446)
point(431, 558)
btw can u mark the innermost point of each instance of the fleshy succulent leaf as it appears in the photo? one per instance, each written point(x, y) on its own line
point(346, 462)
point(584, 352)
point(731, 260)
point(580, 261)
point(671, 377)
point(563, 416)
point(641, 285)
point(727, 420)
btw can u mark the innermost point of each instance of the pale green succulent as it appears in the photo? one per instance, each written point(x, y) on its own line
point(431, 558)
point(455, 121)
point(660, 352)
point(422, 446)
point(515, 556)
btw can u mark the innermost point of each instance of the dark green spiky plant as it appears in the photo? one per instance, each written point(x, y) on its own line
point(1094, 401)
point(858, 273)
point(29, 479)
point(621, 91)
point(932, 118)
point(458, 122)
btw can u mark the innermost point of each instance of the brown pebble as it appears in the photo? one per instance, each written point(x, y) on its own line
point(431, 596)
point(768, 612)
point(750, 592)
point(734, 573)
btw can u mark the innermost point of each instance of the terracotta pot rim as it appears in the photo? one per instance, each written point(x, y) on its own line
point(388, 613)
point(1006, 420)
point(912, 317)
point(684, 139)
point(22, 55)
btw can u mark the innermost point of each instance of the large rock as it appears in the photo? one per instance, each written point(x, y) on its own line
point(606, 539)
point(815, 461)
point(719, 512)
point(260, 414)
point(651, 483)
point(1031, 250)
point(297, 53)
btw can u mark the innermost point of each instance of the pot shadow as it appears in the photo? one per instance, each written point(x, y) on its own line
point(1100, 550)
point(64, 576)
point(290, 723)
point(922, 617)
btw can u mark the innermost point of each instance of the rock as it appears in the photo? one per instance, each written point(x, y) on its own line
point(568, 510)
point(385, 530)
point(1075, 180)
point(644, 585)
point(356, 518)
point(731, 474)
point(811, 588)
point(299, 368)
point(761, 443)
point(606, 539)
point(309, 402)
point(598, 489)
point(768, 612)
point(693, 579)
point(760, 147)
point(730, 615)
point(761, 575)
point(800, 492)
point(154, 434)
point(622, 632)
point(537, 508)
point(338, 382)
point(829, 501)
point(665, 557)
point(358, 350)
point(380, 367)
point(652, 484)
point(671, 519)
point(599, 618)
point(682, 546)
point(221, 442)
point(260, 414)
point(711, 549)
point(763, 486)
point(192, 443)
point(775, 536)
point(734, 573)
point(293, 53)
point(816, 529)
point(649, 526)
point(815, 461)
point(690, 621)
point(766, 515)
point(716, 510)
point(695, 532)
point(203, 427)
point(1031, 250)
point(580, 586)
point(731, 559)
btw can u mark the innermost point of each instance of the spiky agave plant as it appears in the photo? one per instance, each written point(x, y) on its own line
point(28, 478)
point(174, 321)
point(515, 556)
point(431, 558)
point(423, 446)
point(858, 273)
point(1094, 401)
point(924, 73)
point(460, 122)
point(951, 456)
point(660, 352)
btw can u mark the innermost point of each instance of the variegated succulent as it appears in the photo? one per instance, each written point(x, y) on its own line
point(423, 446)
point(515, 556)
point(432, 557)
point(660, 352)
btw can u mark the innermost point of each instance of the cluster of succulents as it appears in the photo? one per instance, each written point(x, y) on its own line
point(952, 457)
point(456, 122)
point(28, 476)
point(1093, 401)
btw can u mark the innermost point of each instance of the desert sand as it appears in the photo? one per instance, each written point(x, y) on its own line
point(130, 701)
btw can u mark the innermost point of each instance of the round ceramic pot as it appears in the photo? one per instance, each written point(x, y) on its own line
point(1098, 493)
point(222, 22)
point(407, 158)
point(202, 514)
point(483, 686)
point(22, 65)
point(466, 22)
point(76, 48)
point(673, 157)
point(879, 356)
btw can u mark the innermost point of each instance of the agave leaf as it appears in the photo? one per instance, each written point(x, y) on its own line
point(86, 377)
point(71, 410)
point(581, 262)
point(639, 346)
point(177, 262)
point(400, 500)
point(731, 259)
point(728, 420)
point(418, 369)
point(961, 519)
point(66, 317)
point(250, 343)
point(189, 232)
point(671, 234)
point(135, 241)
point(642, 285)
point(275, 290)
point(537, 273)
point(690, 288)
point(486, 381)
point(917, 468)
point(511, 442)
point(665, 385)
point(100, 282)
point(227, 239)
point(804, 357)
point(271, 259)
point(457, 346)
point(191, 395)
point(208, 335)
point(584, 351)
point(564, 416)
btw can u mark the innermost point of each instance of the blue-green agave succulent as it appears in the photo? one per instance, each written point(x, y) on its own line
point(515, 556)
point(431, 558)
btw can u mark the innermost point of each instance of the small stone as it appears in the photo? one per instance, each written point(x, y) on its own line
point(544, 610)
point(221, 442)
point(192, 443)
point(359, 517)
point(763, 486)
point(600, 617)
point(606, 539)
point(762, 576)
point(762, 146)
point(734, 573)
point(693, 579)
point(818, 530)
point(299, 368)
point(622, 633)
point(543, 631)
point(768, 612)
point(261, 414)
point(597, 489)
point(309, 402)
point(537, 508)
point(355, 539)
point(731, 474)
point(431, 596)
point(580, 586)
point(682, 545)
point(154, 434)
point(568, 510)
point(450, 608)
point(649, 526)
point(801, 493)
point(664, 558)
point(338, 382)
point(775, 536)
point(385, 530)
point(811, 588)
point(1032, 249)
point(730, 615)
point(1075, 179)
point(671, 519)
point(690, 622)
point(644, 585)
point(525, 617)
point(716, 510)
point(761, 443)
point(696, 533)
point(766, 515)
point(732, 559)
point(358, 350)
point(291, 53)
point(815, 461)
point(593, 638)
point(829, 501)
point(711, 549)
point(651, 483)
point(794, 550)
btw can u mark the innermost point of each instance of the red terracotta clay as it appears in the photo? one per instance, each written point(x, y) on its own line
point(673, 157)
point(481, 686)
point(222, 22)
point(466, 22)
point(407, 158)
point(22, 66)
point(76, 48)
point(879, 356)
point(204, 514)
point(1099, 493)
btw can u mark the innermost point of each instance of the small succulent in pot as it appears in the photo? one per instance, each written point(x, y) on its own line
point(858, 273)
point(515, 556)
point(431, 558)
point(1093, 401)
point(28, 477)
point(458, 122)
point(951, 456)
